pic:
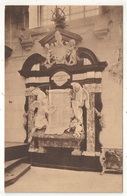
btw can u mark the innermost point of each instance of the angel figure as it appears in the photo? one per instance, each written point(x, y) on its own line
point(72, 48)
point(49, 55)
point(79, 97)
point(41, 116)
point(75, 127)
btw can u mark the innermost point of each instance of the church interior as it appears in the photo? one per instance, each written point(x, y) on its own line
point(63, 96)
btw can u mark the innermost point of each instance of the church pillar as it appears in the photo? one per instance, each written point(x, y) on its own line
point(90, 147)
point(90, 120)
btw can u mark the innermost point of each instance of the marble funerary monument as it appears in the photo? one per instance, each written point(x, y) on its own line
point(63, 94)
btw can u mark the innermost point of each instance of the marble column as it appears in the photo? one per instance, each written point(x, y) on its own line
point(31, 98)
point(91, 124)
point(90, 127)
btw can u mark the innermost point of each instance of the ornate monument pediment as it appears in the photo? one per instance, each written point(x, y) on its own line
point(60, 52)
point(67, 35)
point(60, 45)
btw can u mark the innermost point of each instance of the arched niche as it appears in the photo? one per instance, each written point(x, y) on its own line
point(82, 54)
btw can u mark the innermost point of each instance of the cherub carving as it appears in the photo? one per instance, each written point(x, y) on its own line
point(76, 127)
point(72, 52)
point(49, 56)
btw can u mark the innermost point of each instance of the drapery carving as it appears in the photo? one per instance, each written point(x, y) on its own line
point(79, 98)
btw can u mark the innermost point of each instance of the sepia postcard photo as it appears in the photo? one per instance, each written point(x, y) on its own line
point(63, 98)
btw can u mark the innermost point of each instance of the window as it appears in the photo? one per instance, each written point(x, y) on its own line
point(42, 15)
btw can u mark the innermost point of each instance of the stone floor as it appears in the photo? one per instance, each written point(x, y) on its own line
point(11, 144)
point(39, 179)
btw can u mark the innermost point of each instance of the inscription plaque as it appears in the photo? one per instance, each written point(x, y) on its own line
point(60, 78)
point(59, 120)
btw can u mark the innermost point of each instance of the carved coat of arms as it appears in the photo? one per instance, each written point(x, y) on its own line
point(60, 53)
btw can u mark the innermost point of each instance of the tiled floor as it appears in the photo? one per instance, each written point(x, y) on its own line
point(57, 180)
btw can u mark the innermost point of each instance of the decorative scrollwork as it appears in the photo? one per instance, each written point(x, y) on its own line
point(111, 160)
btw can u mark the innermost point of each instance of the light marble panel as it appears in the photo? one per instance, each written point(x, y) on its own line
point(37, 80)
point(81, 76)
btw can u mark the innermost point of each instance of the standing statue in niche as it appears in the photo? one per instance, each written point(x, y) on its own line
point(79, 97)
point(41, 116)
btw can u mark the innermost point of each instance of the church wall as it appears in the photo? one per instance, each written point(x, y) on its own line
point(106, 47)
point(14, 102)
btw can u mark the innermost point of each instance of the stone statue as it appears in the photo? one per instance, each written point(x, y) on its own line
point(41, 116)
point(72, 49)
point(49, 56)
point(79, 97)
point(76, 127)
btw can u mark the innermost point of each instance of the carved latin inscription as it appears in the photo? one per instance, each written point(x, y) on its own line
point(60, 119)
